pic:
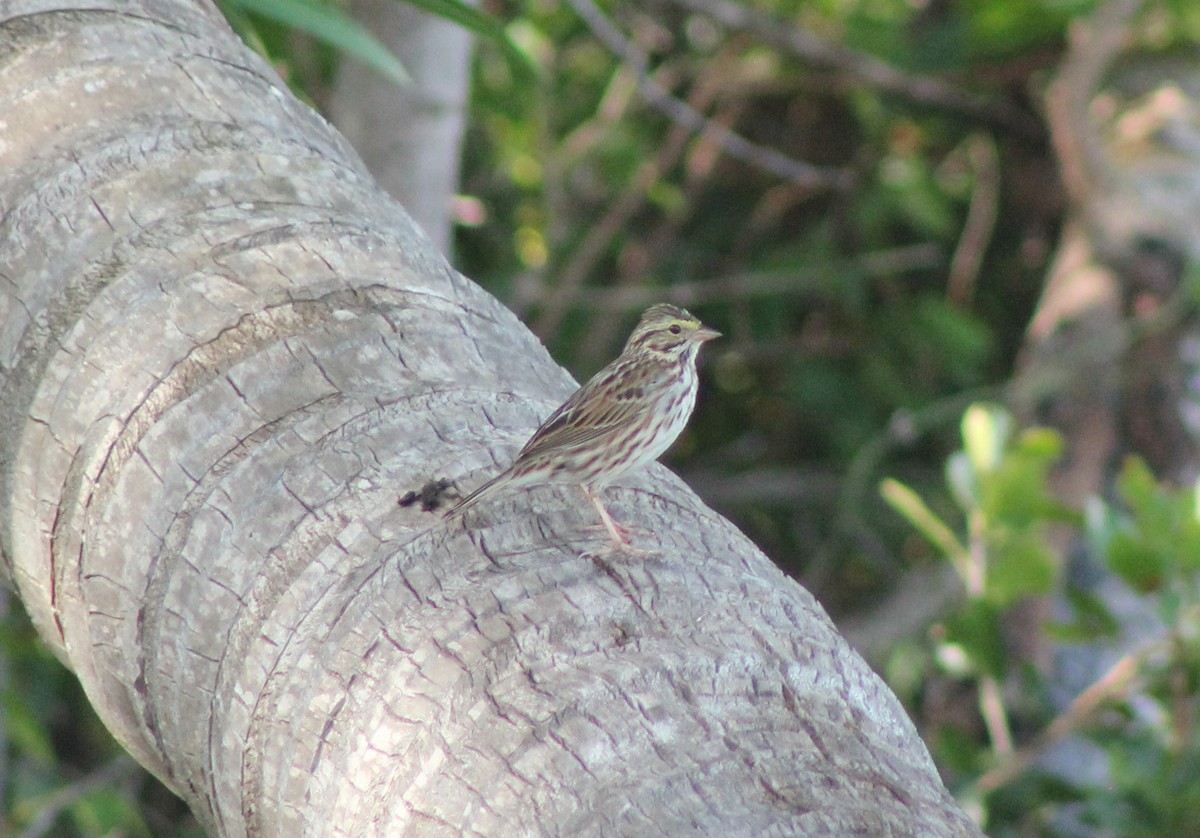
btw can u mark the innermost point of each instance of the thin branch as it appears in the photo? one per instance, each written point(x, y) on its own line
point(1094, 43)
point(559, 299)
point(866, 69)
point(644, 255)
point(732, 143)
point(764, 486)
point(918, 597)
point(995, 717)
point(761, 283)
point(980, 222)
point(1117, 682)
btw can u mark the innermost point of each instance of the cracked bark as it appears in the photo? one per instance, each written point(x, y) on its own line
point(225, 353)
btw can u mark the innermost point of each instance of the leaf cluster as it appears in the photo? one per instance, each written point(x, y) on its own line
point(1016, 757)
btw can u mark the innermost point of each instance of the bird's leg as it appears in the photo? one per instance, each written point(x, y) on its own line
point(620, 534)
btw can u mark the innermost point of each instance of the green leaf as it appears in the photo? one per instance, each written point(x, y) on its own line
point(25, 732)
point(1169, 605)
point(1137, 485)
point(1015, 493)
point(999, 28)
point(1021, 565)
point(963, 481)
point(1040, 443)
point(241, 24)
point(986, 429)
point(912, 192)
point(1160, 537)
point(960, 341)
point(1133, 560)
point(1093, 620)
point(1015, 490)
point(909, 504)
point(976, 628)
point(1189, 542)
point(905, 668)
point(332, 25)
point(1101, 524)
point(956, 748)
point(107, 811)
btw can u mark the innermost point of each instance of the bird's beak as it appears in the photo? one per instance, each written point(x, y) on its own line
point(705, 334)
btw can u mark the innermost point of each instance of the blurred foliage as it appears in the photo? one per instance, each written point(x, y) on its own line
point(863, 315)
point(325, 21)
point(63, 775)
point(276, 29)
point(1137, 719)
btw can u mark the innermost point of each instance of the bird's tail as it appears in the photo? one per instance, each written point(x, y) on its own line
point(479, 494)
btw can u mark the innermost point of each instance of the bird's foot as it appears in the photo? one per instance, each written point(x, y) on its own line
point(618, 533)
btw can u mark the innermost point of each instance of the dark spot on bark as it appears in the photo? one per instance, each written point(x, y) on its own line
point(431, 495)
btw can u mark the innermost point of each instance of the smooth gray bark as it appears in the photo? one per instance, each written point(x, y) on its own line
point(224, 353)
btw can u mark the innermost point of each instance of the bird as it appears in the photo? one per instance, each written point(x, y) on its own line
point(626, 416)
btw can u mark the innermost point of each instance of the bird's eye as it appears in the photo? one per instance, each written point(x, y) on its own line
point(676, 328)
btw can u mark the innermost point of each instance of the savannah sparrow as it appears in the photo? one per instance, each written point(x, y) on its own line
point(626, 416)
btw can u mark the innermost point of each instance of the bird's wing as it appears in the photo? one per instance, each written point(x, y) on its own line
point(586, 416)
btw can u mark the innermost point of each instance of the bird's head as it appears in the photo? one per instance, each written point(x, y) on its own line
point(670, 331)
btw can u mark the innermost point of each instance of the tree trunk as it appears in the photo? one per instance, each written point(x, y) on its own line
point(225, 353)
point(409, 137)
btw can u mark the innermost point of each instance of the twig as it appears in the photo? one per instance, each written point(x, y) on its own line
point(1114, 683)
point(919, 597)
point(1094, 350)
point(981, 220)
point(595, 243)
point(995, 717)
point(760, 284)
point(1094, 43)
point(732, 143)
point(611, 109)
point(866, 69)
point(639, 258)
